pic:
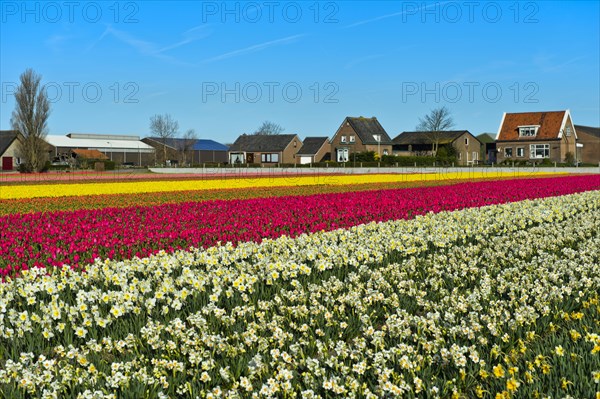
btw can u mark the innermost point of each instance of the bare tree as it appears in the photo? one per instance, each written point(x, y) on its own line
point(30, 118)
point(187, 144)
point(165, 128)
point(269, 128)
point(435, 123)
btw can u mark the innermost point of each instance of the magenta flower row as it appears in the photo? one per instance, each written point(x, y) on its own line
point(78, 237)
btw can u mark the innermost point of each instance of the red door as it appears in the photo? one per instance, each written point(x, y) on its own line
point(7, 163)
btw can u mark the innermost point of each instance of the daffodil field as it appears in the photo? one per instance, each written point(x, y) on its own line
point(487, 289)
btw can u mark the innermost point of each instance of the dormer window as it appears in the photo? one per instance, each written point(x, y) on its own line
point(528, 131)
point(377, 137)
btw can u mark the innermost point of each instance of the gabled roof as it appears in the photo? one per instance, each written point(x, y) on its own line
point(312, 145)
point(486, 138)
point(6, 139)
point(417, 138)
point(262, 142)
point(366, 128)
point(89, 154)
point(550, 124)
point(593, 131)
point(198, 145)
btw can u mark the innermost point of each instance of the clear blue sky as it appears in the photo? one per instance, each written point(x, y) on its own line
point(223, 68)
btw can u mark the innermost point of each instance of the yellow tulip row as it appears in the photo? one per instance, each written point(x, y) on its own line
point(243, 181)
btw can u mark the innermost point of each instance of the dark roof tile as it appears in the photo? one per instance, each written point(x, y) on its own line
point(366, 128)
point(311, 145)
point(594, 131)
point(262, 143)
point(413, 138)
point(6, 139)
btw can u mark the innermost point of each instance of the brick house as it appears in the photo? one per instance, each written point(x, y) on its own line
point(359, 135)
point(588, 144)
point(466, 146)
point(536, 136)
point(266, 150)
point(314, 149)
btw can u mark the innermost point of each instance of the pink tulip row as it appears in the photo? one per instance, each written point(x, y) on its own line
point(78, 237)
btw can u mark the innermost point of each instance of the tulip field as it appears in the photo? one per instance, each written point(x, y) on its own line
point(349, 287)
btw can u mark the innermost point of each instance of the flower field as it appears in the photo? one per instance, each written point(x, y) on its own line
point(241, 181)
point(55, 238)
point(48, 204)
point(485, 289)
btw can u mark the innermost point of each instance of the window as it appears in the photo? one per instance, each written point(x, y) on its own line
point(385, 152)
point(568, 131)
point(466, 141)
point(295, 144)
point(342, 154)
point(475, 156)
point(343, 140)
point(269, 158)
point(352, 139)
point(459, 156)
point(539, 151)
point(528, 131)
point(520, 152)
point(236, 158)
point(508, 152)
point(377, 137)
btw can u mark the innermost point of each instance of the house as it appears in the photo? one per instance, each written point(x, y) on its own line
point(588, 144)
point(313, 150)
point(189, 151)
point(121, 149)
point(9, 154)
point(488, 147)
point(359, 134)
point(466, 146)
point(537, 136)
point(267, 150)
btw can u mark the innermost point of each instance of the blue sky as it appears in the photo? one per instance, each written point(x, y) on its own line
point(222, 68)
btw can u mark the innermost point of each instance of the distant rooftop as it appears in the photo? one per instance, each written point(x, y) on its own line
point(102, 136)
point(6, 139)
point(262, 143)
point(99, 142)
point(311, 145)
point(199, 144)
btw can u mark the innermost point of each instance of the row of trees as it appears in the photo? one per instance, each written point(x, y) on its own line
point(32, 110)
